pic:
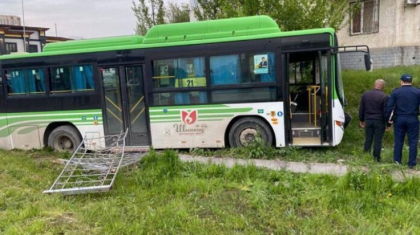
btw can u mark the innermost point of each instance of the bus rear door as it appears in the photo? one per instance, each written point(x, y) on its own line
point(124, 103)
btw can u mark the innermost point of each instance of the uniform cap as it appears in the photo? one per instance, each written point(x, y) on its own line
point(406, 78)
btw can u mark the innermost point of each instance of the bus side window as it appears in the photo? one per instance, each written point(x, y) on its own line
point(83, 78)
point(72, 79)
point(57, 80)
point(35, 81)
point(8, 85)
point(179, 73)
point(1, 84)
point(243, 68)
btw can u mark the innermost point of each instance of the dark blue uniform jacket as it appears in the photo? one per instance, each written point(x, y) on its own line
point(405, 101)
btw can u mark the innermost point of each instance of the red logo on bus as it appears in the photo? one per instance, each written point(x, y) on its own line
point(189, 117)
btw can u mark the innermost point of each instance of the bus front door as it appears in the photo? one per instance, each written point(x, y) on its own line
point(123, 103)
point(307, 80)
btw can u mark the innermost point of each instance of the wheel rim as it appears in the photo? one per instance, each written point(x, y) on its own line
point(63, 143)
point(247, 136)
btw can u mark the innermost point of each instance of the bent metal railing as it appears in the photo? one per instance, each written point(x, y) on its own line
point(93, 169)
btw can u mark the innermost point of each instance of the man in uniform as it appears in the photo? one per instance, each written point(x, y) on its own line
point(405, 101)
point(372, 117)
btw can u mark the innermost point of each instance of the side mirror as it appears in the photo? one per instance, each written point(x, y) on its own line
point(368, 62)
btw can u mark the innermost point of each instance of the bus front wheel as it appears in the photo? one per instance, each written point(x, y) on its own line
point(246, 130)
point(64, 139)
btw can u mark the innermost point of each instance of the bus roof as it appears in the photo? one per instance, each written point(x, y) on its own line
point(179, 34)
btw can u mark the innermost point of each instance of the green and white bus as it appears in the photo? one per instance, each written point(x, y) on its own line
point(208, 84)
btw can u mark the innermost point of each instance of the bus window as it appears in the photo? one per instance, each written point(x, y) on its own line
point(1, 85)
point(244, 95)
point(72, 79)
point(179, 73)
point(301, 72)
point(25, 81)
point(242, 69)
point(179, 98)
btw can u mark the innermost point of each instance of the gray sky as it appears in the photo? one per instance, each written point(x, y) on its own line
point(77, 18)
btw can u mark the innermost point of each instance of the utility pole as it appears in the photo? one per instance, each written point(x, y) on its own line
point(153, 11)
point(24, 31)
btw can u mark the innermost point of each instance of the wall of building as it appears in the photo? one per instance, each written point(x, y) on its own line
point(9, 20)
point(408, 27)
point(397, 42)
point(383, 57)
point(34, 35)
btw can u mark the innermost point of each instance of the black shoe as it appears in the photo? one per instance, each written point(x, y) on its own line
point(411, 167)
point(377, 159)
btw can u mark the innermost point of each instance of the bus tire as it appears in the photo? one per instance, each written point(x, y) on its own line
point(245, 130)
point(64, 139)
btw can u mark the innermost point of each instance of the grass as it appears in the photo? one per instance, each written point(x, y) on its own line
point(162, 195)
point(351, 148)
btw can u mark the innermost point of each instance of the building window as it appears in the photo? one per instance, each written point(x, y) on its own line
point(11, 47)
point(365, 17)
point(33, 48)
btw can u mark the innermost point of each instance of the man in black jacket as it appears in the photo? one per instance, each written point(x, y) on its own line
point(372, 117)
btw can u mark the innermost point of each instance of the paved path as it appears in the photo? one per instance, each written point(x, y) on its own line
point(297, 167)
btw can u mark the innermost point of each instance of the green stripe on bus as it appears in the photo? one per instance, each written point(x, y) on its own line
point(201, 120)
point(159, 121)
point(34, 122)
point(205, 110)
point(29, 128)
point(167, 113)
point(231, 110)
point(72, 112)
point(52, 118)
point(200, 116)
point(187, 107)
point(167, 118)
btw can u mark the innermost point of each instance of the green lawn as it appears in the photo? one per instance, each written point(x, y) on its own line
point(162, 195)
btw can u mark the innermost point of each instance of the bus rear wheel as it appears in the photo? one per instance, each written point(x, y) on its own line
point(245, 131)
point(64, 139)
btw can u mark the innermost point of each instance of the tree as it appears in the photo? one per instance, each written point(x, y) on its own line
point(289, 14)
point(152, 12)
point(178, 13)
point(148, 16)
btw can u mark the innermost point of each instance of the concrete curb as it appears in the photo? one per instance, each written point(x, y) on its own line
point(296, 167)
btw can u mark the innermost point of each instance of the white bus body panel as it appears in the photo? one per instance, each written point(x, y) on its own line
point(338, 115)
point(205, 126)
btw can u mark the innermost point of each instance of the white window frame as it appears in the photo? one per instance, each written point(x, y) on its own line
point(375, 18)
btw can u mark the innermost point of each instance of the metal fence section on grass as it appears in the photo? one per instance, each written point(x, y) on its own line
point(93, 169)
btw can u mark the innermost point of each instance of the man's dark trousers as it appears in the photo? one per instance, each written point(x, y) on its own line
point(406, 124)
point(375, 130)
